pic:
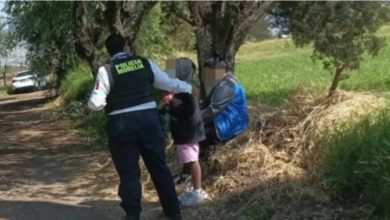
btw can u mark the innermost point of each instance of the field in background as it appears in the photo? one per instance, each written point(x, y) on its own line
point(272, 70)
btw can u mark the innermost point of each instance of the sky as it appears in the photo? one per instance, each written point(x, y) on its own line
point(18, 55)
point(1, 7)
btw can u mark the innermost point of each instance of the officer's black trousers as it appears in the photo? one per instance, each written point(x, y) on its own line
point(131, 135)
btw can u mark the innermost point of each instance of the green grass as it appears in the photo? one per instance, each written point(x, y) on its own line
point(272, 70)
point(3, 91)
point(75, 90)
point(259, 213)
point(271, 80)
point(373, 74)
point(357, 162)
point(77, 85)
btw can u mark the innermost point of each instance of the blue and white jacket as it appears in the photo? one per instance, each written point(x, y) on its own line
point(226, 108)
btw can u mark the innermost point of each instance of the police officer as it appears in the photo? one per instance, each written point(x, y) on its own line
point(124, 90)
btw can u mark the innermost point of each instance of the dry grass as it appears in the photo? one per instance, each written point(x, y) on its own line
point(296, 130)
point(272, 168)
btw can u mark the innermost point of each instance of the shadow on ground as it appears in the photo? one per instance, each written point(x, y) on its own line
point(54, 210)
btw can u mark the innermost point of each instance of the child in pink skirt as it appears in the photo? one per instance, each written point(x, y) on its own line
point(187, 130)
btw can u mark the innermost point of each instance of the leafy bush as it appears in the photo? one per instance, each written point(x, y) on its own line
point(357, 162)
point(77, 85)
point(151, 41)
point(75, 90)
point(161, 35)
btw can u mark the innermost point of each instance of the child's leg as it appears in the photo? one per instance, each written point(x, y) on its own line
point(196, 175)
point(189, 157)
point(186, 169)
point(197, 195)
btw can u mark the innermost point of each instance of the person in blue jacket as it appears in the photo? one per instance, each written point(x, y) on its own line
point(224, 111)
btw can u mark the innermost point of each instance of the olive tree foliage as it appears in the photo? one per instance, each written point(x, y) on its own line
point(341, 32)
point(94, 20)
point(57, 33)
point(46, 29)
point(152, 40)
point(4, 38)
point(220, 27)
point(162, 33)
point(178, 26)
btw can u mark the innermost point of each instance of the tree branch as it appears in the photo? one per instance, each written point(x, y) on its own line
point(187, 19)
point(84, 44)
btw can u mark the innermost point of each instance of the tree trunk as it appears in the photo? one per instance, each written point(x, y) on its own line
point(4, 79)
point(206, 50)
point(221, 28)
point(85, 37)
point(132, 14)
point(112, 15)
point(59, 71)
point(336, 79)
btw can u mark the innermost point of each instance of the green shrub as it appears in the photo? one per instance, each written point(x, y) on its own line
point(5, 90)
point(357, 162)
point(151, 41)
point(78, 84)
point(75, 90)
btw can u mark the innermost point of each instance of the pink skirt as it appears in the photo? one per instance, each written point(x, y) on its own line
point(188, 153)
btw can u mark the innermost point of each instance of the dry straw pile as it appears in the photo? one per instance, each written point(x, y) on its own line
point(274, 165)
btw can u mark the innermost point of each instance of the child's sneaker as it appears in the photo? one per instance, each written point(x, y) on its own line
point(193, 198)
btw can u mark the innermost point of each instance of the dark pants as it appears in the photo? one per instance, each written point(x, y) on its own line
point(131, 135)
point(210, 141)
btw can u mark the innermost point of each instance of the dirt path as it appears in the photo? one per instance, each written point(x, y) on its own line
point(47, 171)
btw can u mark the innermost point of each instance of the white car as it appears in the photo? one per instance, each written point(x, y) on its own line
point(27, 80)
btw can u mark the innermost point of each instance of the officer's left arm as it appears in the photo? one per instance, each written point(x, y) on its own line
point(164, 82)
point(97, 100)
